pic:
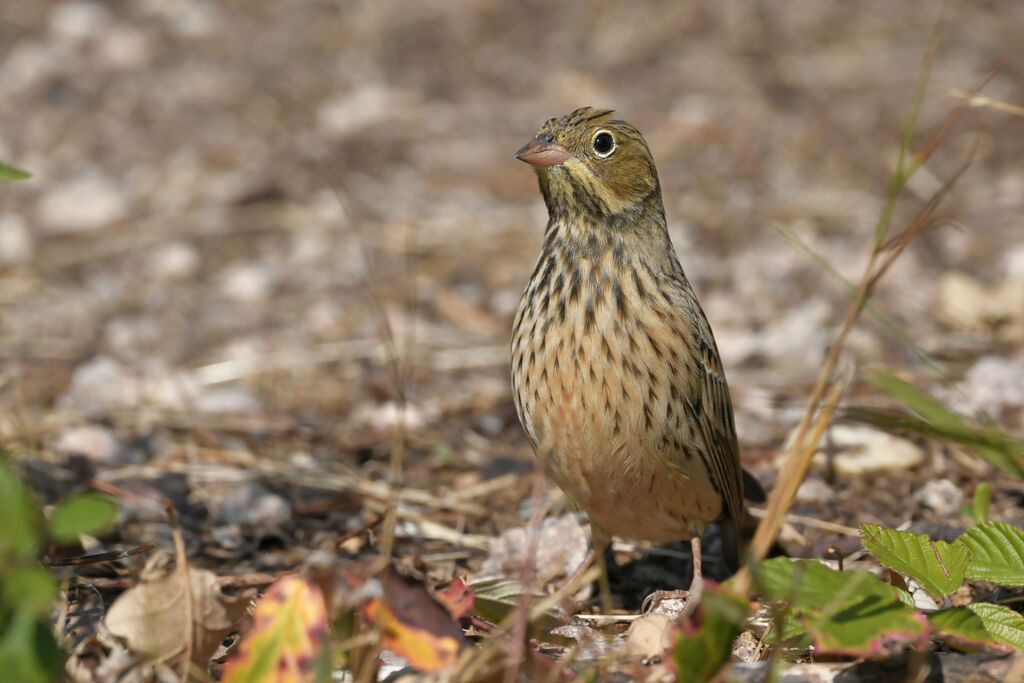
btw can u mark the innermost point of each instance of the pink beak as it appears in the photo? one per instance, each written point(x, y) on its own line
point(542, 152)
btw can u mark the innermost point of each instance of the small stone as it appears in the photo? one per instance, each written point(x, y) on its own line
point(941, 496)
point(228, 399)
point(253, 504)
point(814, 490)
point(858, 450)
point(352, 111)
point(194, 19)
point(390, 414)
point(79, 19)
point(86, 202)
point(1013, 262)
point(922, 600)
point(124, 47)
point(966, 304)
point(561, 548)
point(246, 283)
point(103, 384)
point(990, 386)
point(130, 335)
point(490, 424)
point(649, 635)
point(747, 647)
point(15, 240)
point(90, 441)
point(174, 261)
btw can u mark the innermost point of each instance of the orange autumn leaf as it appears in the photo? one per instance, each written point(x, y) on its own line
point(423, 650)
point(287, 636)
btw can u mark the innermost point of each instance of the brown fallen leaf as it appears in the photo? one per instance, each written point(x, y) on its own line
point(154, 616)
point(414, 624)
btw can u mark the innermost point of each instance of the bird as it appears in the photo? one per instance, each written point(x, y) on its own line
point(616, 377)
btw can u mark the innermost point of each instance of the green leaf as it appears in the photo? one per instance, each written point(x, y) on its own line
point(808, 584)
point(844, 611)
point(29, 652)
point(1003, 623)
point(938, 566)
point(30, 589)
point(860, 626)
point(997, 553)
point(20, 515)
point(85, 513)
point(10, 173)
point(998, 449)
point(705, 645)
point(1004, 455)
point(963, 629)
point(497, 600)
point(980, 502)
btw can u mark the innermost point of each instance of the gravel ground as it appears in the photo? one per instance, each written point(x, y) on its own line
point(255, 228)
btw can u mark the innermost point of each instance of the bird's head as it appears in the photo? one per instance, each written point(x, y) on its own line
point(593, 166)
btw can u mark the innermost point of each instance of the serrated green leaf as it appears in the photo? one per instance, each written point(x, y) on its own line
point(84, 513)
point(963, 629)
point(848, 611)
point(997, 553)
point(938, 566)
point(21, 536)
point(809, 584)
point(705, 645)
point(992, 445)
point(1003, 623)
point(10, 173)
point(861, 625)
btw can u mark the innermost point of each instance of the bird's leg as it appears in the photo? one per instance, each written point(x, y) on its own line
point(697, 584)
point(692, 596)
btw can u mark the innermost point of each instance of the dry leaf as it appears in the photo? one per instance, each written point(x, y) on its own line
point(414, 624)
point(153, 616)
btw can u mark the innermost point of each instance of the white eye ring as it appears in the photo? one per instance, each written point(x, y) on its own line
point(603, 153)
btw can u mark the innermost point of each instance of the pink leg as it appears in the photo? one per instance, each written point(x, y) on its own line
point(692, 595)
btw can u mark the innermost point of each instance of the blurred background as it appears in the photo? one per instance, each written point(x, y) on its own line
point(255, 227)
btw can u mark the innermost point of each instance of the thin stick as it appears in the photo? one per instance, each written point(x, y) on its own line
point(805, 442)
point(181, 561)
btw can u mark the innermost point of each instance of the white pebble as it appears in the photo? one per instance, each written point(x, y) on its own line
point(15, 240)
point(79, 19)
point(86, 202)
point(174, 261)
point(91, 441)
point(252, 503)
point(941, 496)
point(246, 283)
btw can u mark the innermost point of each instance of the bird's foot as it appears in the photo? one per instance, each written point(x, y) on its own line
point(692, 598)
point(654, 600)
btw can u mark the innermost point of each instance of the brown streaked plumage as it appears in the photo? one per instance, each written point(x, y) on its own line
point(615, 373)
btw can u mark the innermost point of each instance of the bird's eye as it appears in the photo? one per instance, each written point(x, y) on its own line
point(603, 144)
